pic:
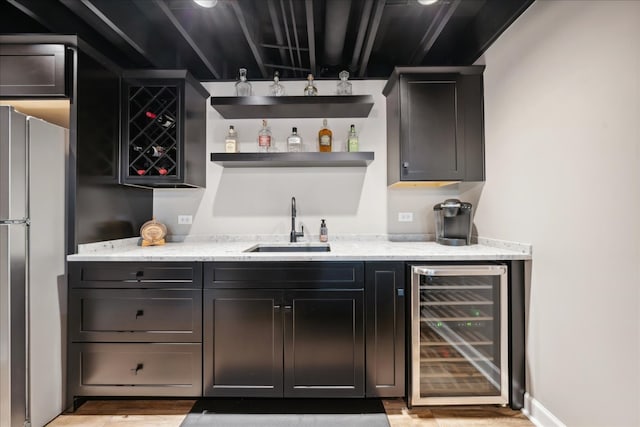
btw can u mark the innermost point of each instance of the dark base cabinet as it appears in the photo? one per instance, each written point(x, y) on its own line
point(133, 369)
point(135, 329)
point(385, 320)
point(284, 329)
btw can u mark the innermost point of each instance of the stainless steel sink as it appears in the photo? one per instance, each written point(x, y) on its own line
point(290, 247)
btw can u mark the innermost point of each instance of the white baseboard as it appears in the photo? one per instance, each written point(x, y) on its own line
point(538, 414)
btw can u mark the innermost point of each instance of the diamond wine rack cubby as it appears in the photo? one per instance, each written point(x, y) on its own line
point(164, 118)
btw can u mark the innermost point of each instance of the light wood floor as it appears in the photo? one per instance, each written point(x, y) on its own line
point(170, 413)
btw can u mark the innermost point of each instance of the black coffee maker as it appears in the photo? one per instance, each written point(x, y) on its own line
point(453, 222)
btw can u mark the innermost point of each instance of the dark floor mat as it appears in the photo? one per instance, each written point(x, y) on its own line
point(287, 413)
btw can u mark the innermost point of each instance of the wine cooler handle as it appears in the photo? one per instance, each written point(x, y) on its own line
point(460, 270)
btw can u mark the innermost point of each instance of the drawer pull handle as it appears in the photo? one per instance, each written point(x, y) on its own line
point(138, 367)
point(276, 307)
point(288, 307)
point(139, 313)
point(139, 274)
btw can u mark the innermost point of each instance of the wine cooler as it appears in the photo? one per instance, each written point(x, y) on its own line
point(459, 345)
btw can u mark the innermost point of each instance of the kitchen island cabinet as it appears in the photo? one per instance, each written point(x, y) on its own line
point(284, 329)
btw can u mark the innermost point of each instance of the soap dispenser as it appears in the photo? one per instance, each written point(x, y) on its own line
point(324, 232)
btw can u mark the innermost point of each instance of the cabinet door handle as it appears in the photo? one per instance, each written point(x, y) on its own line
point(405, 164)
point(138, 367)
point(139, 274)
point(276, 307)
point(139, 313)
point(288, 307)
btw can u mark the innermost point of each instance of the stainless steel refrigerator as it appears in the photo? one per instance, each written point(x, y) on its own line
point(32, 269)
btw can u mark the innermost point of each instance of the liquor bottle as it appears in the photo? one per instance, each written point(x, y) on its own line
point(153, 151)
point(166, 119)
point(352, 140)
point(344, 86)
point(276, 89)
point(310, 89)
point(264, 138)
point(243, 87)
point(231, 141)
point(324, 138)
point(294, 141)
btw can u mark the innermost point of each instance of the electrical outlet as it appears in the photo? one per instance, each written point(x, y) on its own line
point(405, 216)
point(185, 219)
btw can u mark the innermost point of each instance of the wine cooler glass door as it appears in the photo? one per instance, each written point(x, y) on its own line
point(459, 335)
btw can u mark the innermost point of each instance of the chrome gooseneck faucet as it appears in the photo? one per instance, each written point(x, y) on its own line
point(293, 236)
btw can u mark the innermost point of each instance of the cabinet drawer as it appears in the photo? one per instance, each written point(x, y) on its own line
point(281, 275)
point(136, 369)
point(135, 275)
point(148, 315)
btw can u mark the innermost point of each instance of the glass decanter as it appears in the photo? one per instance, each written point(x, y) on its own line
point(276, 89)
point(344, 86)
point(243, 87)
point(310, 89)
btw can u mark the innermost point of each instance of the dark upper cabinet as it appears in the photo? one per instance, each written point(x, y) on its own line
point(163, 129)
point(435, 126)
point(33, 71)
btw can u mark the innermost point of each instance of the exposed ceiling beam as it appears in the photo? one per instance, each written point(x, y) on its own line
point(277, 30)
point(187, 38)
point(335, 31)
point(371, 36)
point(59, 19)
point(295, 31)
point(247, 35)
point(104, 21)
point(311, 35)
point(286, 32)
point(362, 30)
point(440, 20)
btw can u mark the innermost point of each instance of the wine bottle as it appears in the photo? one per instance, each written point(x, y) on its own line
point(165, 120)
point(153, 151)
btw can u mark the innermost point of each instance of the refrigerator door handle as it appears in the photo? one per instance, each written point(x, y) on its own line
point(14, 221)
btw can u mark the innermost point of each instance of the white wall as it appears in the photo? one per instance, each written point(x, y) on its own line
point(562, 111)
point(257, 200)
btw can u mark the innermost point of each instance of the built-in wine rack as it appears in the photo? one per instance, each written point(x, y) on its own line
point(153, 131)
point(458, 335)
point(163, 129)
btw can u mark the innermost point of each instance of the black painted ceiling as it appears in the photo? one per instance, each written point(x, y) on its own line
point(296, 37)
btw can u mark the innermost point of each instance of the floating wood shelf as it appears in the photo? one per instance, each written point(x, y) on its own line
point(256, 160)
point(290, 107)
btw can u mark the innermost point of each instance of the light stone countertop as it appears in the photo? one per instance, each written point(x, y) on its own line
point(353, 248)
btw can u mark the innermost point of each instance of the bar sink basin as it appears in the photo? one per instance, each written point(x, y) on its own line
point(290, 247)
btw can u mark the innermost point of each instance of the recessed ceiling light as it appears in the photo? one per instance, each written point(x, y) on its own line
point(427, 2)
point(206, 3)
